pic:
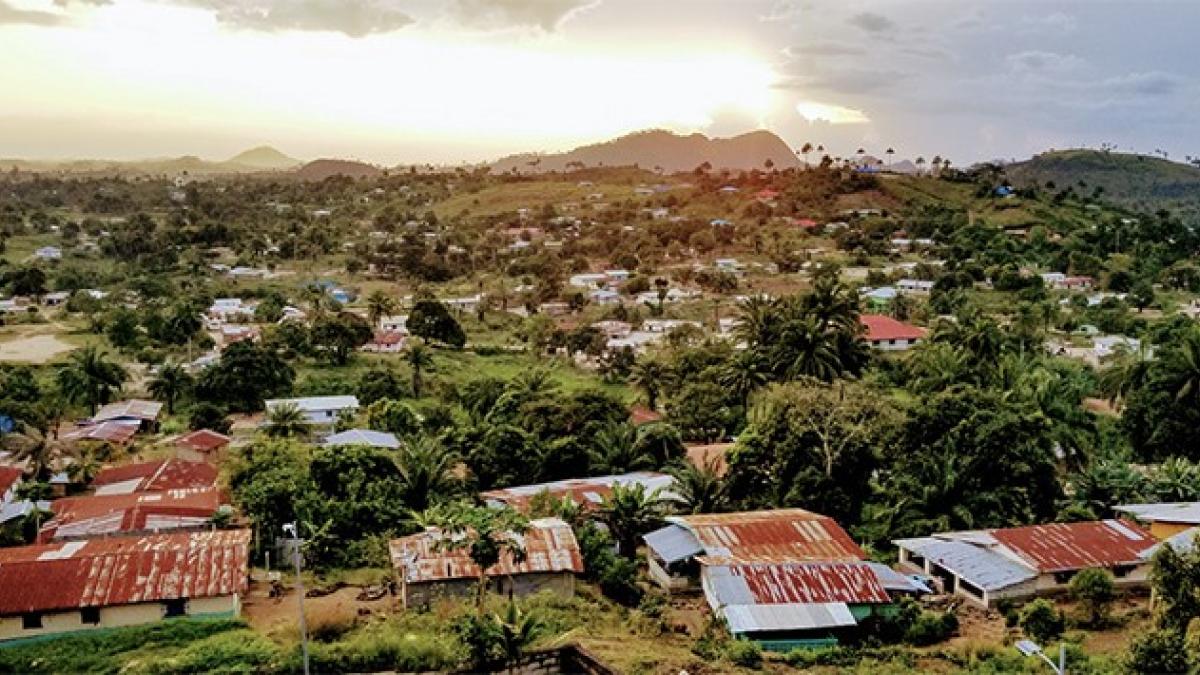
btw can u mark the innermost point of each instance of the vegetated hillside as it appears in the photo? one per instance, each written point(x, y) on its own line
point(321, 169)
point(663, 149)
point(1137, 181)
point(264, 157)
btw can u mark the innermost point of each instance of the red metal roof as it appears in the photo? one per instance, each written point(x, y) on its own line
point(169, 474)
point(812, 583)
point(585, 492)
point(203, 440)
point(1060, 547)
point(104, 432)
point(122, 570)
point(880, 327)
point(89, 516)
point(549, 544)
point(641, 415)
point(780, 535)
point(9, 476)
point(388, 338)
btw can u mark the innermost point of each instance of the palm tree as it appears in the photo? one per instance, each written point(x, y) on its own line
point(379, 305)
point(629, 512)
point(84, 466)
point(650, 375)
point(758, 318)
point(891, 152)
point(806, 151)
point(811, 351)
point(920, 164)
point(616, 450)
point(487, 535)
point(426, 471)
point(41, 454)
point(1126, 372)
point(743, 374)
point(699, 489)
point(418, 357)
point(89, 377)
point(518, 632)
point(285, 421)
point(1181, 368)
point(170, 384)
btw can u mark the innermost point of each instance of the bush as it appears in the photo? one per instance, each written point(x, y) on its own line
point(744, 653)
point(1093, 589)
point(1041, 622)
point(327, 623)
point(384, 648)
point(239, 651)
point(931, 628)
point(1159, 651)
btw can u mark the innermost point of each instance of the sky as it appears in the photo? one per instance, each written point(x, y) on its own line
point(451, 81)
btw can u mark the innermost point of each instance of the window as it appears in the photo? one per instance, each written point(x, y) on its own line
point(1063, 577)
point(31, 621)
point(89, 615)
point(1121, 571)
point(176, 607)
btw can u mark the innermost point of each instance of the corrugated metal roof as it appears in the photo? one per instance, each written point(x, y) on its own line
point(377, 439)
point(980, 565)
point(104, 432)
point(673, 543)
point(586, 492)
point(203, 440)
point(803, 583)
point(1061, 547)
point(1187, 513)
point(316, 403)
point(122, 570)
point(758, 618)
point(892, 580)
point(91, 516)
point(169, 474)
point(549, 545)
point(133, 409)
point(9, 476)
point(781, 535)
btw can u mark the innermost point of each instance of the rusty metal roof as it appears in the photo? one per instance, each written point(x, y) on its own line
point(549, 545)
point(781, 535)
point(131, 409)
point(586, 492)
point(9, 477)
point(880, 327)
point(99, 515)
point(122, 570)
point(104, 432)
point(1059, 547)
point(168, 474)
point(794, 583)
point(203, 440)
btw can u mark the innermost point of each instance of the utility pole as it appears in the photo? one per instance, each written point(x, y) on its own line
point(290, 528)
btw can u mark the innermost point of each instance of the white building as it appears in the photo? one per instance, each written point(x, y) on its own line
point(320, 410)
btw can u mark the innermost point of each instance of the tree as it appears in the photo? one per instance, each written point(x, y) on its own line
point(208, 416)
point(245, 376)
point(518, 631)
point(1093, 589)
point(90, 378)
point(170, 384)
point(419, 358)
point(43, 453)
point(426, 472)
point(336, 336)
point(430, 320)
point(379, 305)
point(743, 375)
point(396, 417)
point(487, 535)
point(699, 488)
point(615, 451)
point(650, 375)
point(286, 420)
point(629, 512)
point(1041, 622)
point(1141, 294)
point(379, 383)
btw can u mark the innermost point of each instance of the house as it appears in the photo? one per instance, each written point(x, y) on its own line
point(386, 342)
point(1054, 279)
point(143, 413)
point(604, 296)
point(426, 569)
point(157, 476)
point(48, 253)
point(1080, 283)
point(730, 265)
point(55, 299)
point(780, 535)
point(1165, 519)
point(322, 410)
point(587, 280)
point(394, 324)
point(115, 432)
point(785, 606)
point(1105, 346)
point(103, 515)
point(587, 493)
point(67, 587)
point(12, 306)
point(554, 308)
point(985, 566)
point(613, 328)
point(617, 276)
point(11, 478)
point(202, 445)
point(230, 310)
point(667, 325)
point(914, 287)
point(234, 334)
point(887, 334)
point(375, 439)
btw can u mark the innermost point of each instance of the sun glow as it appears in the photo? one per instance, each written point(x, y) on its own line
point(830, 114)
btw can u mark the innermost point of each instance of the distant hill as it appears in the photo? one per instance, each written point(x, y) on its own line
point(264, 157)
point(325, 168)
point(658, 148)
point(1135, 181)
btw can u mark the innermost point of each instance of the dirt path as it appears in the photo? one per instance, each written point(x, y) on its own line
point(28, 347)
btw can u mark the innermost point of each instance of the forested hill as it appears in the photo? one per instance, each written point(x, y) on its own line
point(666, 151)
point(1136, 181)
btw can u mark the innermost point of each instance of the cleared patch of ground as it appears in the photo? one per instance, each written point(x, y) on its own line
point(35, 349)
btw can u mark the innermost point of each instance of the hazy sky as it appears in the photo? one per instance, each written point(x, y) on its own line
point(452, 80)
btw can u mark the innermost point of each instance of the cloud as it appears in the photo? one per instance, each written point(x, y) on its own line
point(546, 15)
point(872, 22)
point(1041, 62)
point(94, 3)
point(830, 113)
point(1153, 83)
point(824, 49)
point(29, 17)
point(354, 18)
point(844, 81)
point(1055, 22)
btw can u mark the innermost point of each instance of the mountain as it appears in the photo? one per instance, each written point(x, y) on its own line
point(1135, 181)
point(659, 148)
point(321, 169)
point(264, 157)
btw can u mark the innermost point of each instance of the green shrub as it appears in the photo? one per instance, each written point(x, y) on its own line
point(239, 651)
point(931, 628)
point(383, 648)
point(1159, 651)
point(1094, 590)
point(744, 653)
point(1041, 622)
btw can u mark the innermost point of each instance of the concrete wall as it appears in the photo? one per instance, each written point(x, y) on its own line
point(669, 582)
point(70, 621)
point(1161, 530)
